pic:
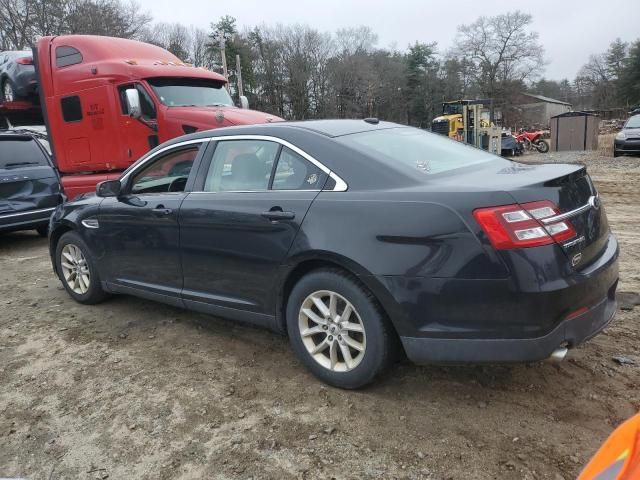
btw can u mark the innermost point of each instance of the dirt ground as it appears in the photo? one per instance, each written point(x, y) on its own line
point(136, 390)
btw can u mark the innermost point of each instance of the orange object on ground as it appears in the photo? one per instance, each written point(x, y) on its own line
point(619, 457)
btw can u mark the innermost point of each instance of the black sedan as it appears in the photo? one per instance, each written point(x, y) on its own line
point(17, 76)
point(628, 139)
point(358, 239)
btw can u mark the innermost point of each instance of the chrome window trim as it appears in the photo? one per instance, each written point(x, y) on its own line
point(149, 157)
point(256, 191)
point(29, 212)
point(341, 185)
point(591, 203)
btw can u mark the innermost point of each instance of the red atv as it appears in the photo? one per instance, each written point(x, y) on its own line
point(533, 140)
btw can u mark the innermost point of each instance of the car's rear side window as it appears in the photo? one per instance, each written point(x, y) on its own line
point(415, 150)
point(294, 172)
point(17, 152)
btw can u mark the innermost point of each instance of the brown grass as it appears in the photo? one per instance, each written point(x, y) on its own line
point(605, 144)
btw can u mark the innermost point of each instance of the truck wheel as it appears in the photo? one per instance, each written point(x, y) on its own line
point(77, 271)
point(337, 329)
point(7, 91)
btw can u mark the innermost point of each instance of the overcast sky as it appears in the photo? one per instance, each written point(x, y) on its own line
point(570, 30)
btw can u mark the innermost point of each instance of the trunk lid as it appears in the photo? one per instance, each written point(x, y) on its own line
point(572, 190)
point(568, 186)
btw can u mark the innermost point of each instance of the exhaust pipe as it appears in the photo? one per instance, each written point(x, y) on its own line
point(558, 354)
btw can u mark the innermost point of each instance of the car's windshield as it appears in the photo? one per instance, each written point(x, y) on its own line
point(633, 122)
point(186, 92)
point(17, 151)
point(416, 150)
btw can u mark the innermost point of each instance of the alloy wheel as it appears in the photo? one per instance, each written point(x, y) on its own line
point(332, 331)
point(7, 92)
point(75, 269)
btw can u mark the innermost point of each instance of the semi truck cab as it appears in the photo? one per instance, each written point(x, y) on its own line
point(107, 101)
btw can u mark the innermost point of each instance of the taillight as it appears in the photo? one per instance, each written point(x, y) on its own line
point(519, 226)
point(24, 60)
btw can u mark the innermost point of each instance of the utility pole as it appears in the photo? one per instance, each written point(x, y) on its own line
point(224, 60)
point(239, 76)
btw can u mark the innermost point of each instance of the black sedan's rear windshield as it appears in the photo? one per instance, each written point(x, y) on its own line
point(17, 151)
point(417, 150)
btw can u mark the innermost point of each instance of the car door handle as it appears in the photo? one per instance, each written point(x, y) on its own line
point(161, 211)
point(275, 215)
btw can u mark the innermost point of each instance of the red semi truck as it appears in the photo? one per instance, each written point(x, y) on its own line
point(107, 101)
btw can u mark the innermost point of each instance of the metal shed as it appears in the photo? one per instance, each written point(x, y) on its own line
point(574, 131)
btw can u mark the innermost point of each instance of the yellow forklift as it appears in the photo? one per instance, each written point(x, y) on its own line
point(469, 121)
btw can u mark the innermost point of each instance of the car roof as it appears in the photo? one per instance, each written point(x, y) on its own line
point(327, 128)
point(338, 128)
point(18, 53)
point(17, 133)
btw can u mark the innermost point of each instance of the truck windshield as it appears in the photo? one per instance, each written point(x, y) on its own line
point(18, 151)
point(451, 109)
point(187, 92)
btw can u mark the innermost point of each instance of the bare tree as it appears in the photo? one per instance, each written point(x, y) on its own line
point(503, 50)
point(22, 21)
point(354, 40)
point(105, 17)
point(199, 54)
point(15, 23)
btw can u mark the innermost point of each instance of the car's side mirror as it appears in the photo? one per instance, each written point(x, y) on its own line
point(133, 102)
point(108, 188)
point(244, 102)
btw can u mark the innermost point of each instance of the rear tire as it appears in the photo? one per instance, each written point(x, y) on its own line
point(343, 352)
point(77, 270)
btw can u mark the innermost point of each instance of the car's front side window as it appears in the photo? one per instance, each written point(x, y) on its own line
point(241, 165)
point(168, 173)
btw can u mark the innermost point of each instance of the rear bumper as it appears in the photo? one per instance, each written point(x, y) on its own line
point(25, 220)
point(517, 319)
point(571, 332)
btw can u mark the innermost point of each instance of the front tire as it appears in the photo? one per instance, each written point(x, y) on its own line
point(77, 270)
point(337, 329)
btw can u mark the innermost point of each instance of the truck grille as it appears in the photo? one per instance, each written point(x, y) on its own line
point(441, 127)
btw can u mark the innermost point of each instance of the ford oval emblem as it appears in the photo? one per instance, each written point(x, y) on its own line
point(575, 260)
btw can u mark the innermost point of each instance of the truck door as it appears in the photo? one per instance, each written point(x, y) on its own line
point(138, 135)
